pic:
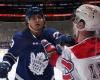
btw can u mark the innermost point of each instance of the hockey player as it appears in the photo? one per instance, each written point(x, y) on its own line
point(81, 61)
point(33, 63)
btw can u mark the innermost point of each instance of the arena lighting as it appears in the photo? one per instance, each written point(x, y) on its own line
point(12, 15)
point(59, 15)
point(48, 15)
point(95, 2)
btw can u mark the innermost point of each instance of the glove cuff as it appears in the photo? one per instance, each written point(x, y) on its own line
point(6, 62)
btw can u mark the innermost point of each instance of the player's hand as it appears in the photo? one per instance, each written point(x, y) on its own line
point(51, 51)
point(4, 69)
point(66, 40)
point(49, 48)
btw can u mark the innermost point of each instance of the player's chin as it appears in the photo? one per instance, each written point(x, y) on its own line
point(40, 29)
point(38, 32)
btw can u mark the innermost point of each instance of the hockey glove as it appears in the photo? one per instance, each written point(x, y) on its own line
point(4, 69)
point(66, 40)
point(51, 51)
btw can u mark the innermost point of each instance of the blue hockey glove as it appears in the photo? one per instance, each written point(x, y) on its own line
point(66, 40)
point(4, 69)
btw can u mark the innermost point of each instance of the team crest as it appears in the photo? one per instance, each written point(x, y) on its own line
point(68, 68)
point(38, 63)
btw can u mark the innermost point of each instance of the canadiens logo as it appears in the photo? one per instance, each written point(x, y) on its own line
point(68, 68)
point(38, 63)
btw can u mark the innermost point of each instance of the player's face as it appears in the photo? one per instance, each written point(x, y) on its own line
point(75, 20)
point(75, 30)
point(36, 24)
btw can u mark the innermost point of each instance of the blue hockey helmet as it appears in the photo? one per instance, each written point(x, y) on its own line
point(33, 11)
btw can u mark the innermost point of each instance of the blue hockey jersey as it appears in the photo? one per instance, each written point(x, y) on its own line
point(33, 63)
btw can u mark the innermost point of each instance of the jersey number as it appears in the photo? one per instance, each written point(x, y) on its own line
point(93, 70)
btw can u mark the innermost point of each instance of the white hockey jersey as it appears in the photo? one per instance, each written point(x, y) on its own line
point(82, 61)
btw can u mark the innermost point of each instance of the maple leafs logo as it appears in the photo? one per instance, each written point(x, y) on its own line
point(38, 63)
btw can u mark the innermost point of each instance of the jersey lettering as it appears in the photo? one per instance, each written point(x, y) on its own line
point(69, 68)
point(94, 70)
